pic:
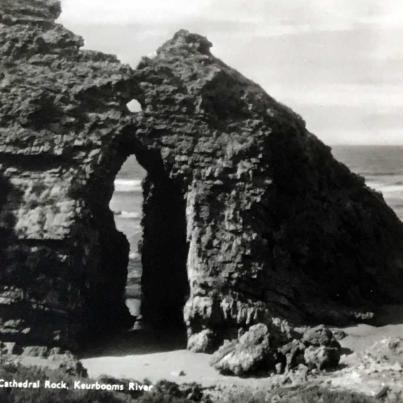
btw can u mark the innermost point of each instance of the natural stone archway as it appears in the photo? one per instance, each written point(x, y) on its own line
point(276, 227)
point(246, 214)
point(163, 249)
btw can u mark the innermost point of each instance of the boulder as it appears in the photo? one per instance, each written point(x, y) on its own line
point(265, 349)
point(322, 350)
point(252, 352)
point(322, 357)
point(293, 352)
point(320, 336)
point(203, 342)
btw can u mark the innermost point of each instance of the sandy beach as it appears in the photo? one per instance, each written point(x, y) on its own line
point(153, 356)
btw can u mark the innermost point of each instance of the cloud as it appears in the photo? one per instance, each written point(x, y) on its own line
point(269, 17)
point(380, 97)
point(128, 11)
point(316, 56)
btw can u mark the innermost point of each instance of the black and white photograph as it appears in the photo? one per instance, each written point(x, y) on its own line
point(201, 201)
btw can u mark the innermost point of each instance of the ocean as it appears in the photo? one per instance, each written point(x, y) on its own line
point(126, 204)
point(381, 166)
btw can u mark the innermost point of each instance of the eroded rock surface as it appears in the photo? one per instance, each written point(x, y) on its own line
point(62, 116)
point(265, 350)
point(253, 351)
point(275, 225)
point(247, 216)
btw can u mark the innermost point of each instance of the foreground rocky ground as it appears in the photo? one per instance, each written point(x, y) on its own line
point(369, 370)
point(297, 391)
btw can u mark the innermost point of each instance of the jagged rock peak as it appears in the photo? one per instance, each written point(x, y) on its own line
point(29, 11)
point(29, 31)
point(62, 113)
point(192, 80)
point(185, 41)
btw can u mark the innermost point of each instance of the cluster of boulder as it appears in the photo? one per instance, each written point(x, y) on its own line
point(264, 350)
point(53, 358)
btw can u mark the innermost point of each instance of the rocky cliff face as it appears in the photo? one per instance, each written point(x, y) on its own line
point(62, 116)
point(247, 216)
point(275, 225)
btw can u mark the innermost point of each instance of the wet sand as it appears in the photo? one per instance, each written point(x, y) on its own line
point(388, 322)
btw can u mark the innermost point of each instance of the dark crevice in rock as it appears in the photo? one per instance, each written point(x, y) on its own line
point(30, 162)
point(164, 252)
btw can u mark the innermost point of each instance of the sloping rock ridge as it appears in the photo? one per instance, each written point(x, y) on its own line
point(247, 217)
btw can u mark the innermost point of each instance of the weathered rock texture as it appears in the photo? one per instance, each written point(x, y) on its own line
point(264, 349)
point(275, 225)
point(247, 216)
point(255, 350)
point(62, 112)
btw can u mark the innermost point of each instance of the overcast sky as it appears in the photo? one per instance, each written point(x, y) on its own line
point(339, 63)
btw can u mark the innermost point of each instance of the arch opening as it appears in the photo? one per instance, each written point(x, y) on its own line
point(134, 106)
point(149, 209)
point(126, 205)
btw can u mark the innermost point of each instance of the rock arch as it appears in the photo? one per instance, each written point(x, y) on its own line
point(238, 192)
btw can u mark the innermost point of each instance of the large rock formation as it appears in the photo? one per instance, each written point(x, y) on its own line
point(247, 216)
point(62, 116)
point(275, 225)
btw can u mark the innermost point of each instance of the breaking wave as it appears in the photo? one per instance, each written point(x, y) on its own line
point(127, 185)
